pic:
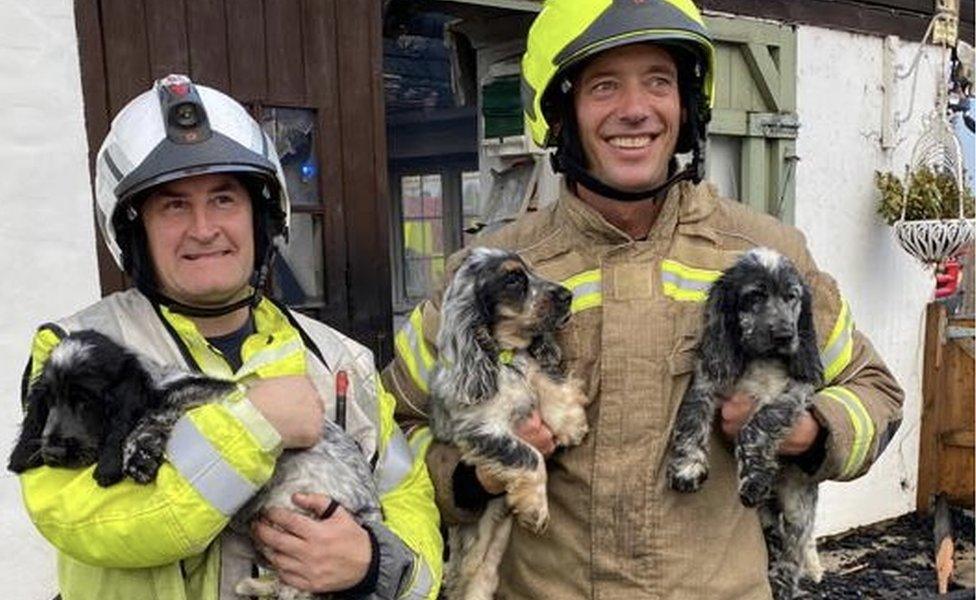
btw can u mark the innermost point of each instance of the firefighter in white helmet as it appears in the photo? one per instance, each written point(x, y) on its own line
point(192, 203)
point(622, 90)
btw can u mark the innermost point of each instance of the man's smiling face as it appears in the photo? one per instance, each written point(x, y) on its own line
point(629, 114)
point(201, 238)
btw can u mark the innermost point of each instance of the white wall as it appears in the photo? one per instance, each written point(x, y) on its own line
point(839, 97)
point(47, 238)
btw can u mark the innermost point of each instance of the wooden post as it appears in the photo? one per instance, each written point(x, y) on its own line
point(945, 462)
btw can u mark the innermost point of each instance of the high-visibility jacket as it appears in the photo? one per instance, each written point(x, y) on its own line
point(167, 539)
point(617, 531)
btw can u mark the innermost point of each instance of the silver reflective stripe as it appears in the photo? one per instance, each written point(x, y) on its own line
point(413, 336)
point(201, 465)
point(593, 287)
point(395, 464)
point(422, 582)
point(685, 284)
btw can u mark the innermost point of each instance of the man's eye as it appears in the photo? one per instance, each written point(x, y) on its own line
point(225, 200)
point(603, 87)
point(176, 204)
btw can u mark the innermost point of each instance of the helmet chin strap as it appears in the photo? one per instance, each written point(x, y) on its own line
point(206, 312)
point(562, 161)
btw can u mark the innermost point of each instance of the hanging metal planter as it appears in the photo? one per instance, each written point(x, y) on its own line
point(934, 240)
point(936, 167)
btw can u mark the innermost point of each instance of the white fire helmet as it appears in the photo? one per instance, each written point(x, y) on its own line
point(180, 129)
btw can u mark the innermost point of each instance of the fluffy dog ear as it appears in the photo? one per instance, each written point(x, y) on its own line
point(27, 452)
point(464, 341)
point(721, 353)
point(805, 365)
point(122, 407)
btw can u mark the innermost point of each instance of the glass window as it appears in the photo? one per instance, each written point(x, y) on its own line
point(423, 232)
point(298, 276)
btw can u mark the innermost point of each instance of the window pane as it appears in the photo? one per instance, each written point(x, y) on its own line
point(410, 197)
point(416, 278)
point(293, 132)
point(432, 195)
point(299, 273)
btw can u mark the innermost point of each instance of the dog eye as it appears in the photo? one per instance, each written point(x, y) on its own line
point(753, 297)
point(515, 280)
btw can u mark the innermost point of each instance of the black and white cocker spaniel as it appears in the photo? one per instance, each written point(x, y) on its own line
point(96, 402)
point(759, 339)
point(498, 361)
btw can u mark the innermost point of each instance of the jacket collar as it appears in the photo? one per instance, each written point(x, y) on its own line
point(686, 203)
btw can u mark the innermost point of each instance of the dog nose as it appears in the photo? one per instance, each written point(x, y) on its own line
point(783, 336)
point(563, 297)
point(53, 454)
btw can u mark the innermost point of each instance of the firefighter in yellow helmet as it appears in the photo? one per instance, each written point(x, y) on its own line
point(621, 89)
point(192, 203)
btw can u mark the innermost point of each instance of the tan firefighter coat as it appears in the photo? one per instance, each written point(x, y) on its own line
point(617, 531)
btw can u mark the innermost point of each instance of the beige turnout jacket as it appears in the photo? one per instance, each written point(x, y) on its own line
point(617, 532)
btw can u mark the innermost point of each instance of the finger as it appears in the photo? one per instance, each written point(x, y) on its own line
point(288, 520)
point(317, 504)
point(286, 563)
point(296, 580)
point(276, 540)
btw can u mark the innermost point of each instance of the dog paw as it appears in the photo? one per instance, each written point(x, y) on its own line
point(106, 477)
point(754, 489)
point(573, 430)
point(687, 476)
point(266, 585)
point(533, 518)
point(142, 465)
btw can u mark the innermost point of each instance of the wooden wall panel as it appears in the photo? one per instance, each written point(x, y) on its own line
point(207, 32)
point(95, 90)
point(368, 253)
point(166, 32)
point(283, 29)
point(321, 84)
point(127, 70)
point(246, 49)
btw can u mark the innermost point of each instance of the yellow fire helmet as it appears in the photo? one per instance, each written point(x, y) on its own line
point(567, 32)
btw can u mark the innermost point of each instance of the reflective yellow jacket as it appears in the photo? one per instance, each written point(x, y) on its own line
point(617, 531)
point(164, 540)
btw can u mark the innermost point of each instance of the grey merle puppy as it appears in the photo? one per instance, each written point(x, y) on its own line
point(759, 339)
point(498, 361)
point(96, 402)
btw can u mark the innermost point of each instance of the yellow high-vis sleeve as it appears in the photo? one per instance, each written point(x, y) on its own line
point(218, 455)
point(408, 505)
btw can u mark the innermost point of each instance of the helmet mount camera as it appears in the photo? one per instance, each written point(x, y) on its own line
point(186, 119)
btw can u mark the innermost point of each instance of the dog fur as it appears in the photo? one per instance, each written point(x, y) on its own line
point(759, 339)
point(97, 402)
point(498, 362)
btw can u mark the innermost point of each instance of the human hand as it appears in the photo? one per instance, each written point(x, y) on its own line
point(736, 409)
point(310, 554)
point(533, 431)
point(292, 406)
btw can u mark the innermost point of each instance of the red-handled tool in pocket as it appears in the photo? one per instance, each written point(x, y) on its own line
point(342, 387)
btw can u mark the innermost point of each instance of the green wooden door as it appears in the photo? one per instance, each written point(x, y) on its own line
point(755, 109)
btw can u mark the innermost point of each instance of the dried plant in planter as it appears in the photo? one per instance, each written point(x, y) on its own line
point(932, 194)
